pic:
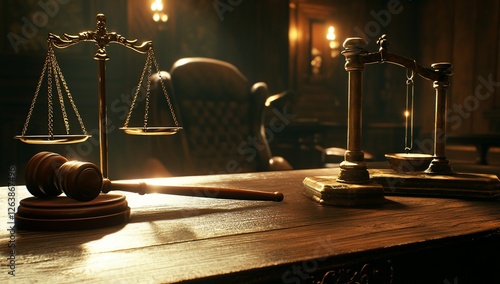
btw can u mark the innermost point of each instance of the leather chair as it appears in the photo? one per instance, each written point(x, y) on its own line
point(222, 118)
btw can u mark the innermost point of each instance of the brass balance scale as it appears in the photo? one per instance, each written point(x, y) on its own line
point(102, 38)
point(410, 173)
point(49, 174)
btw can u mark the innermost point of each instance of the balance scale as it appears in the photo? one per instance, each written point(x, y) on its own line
point(414, 174)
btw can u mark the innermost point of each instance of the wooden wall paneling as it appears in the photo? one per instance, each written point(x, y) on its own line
point(239, 38)
point(496, 97)
point(271, 44)
point(252, 35)
point(196, 29)
point(482, 97)
point(464, 45)
point(436, 45)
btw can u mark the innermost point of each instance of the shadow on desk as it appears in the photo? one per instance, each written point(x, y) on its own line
point(164, 214)
point(48, 241)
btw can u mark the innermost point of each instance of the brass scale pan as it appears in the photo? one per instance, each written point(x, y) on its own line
point(69, 139)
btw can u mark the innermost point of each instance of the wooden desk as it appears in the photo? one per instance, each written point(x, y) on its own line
point(201, 240)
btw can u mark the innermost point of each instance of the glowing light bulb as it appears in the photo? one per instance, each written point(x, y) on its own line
point(157, 8)
point(157, 5)
point(156, 17)
point(331, 33)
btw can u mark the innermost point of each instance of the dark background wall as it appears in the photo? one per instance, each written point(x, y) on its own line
point(256, 36)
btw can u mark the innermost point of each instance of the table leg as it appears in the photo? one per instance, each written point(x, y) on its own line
point(482, 153)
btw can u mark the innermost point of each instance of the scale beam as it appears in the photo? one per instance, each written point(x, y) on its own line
point(101, 37)
point(384, 56)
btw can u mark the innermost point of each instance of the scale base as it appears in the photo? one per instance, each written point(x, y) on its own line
point(328, 191)
point(64, 214)
point(456, 185)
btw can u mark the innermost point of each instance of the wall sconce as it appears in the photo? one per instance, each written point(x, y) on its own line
point(333, 44)
point(158, 14)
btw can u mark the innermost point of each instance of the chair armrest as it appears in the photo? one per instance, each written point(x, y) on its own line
point(272, 98)
point(278, 163)
point(262, 91)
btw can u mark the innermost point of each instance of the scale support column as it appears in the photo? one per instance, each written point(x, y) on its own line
point(101, 58)
point(440, 164)
point(352, 186)
point(353, 169)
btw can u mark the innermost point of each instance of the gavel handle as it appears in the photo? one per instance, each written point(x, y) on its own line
point(198, 191)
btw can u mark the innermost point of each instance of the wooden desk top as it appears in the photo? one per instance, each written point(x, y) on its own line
point(176, 238)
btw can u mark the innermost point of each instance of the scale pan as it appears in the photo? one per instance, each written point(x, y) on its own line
point(52, 139)
point(409, 162)
point(151, 130)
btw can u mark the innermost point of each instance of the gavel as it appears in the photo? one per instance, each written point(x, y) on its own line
point(50, 174)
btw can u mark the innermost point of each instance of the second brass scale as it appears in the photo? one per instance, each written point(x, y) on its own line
point(416, 174)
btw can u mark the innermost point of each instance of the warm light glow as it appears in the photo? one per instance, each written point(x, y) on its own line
point(292, 34)
point(333, 44)
point(331, 33)
point(407, 113)
point(157, 8)
point(156, 17)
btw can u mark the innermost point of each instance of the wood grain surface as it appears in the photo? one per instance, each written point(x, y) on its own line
point(176, 238)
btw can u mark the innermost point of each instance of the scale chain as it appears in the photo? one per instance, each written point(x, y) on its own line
point(136, 94)
point(150, 60)
point(164, 89)
point(50, 121)
point(148, 89)
point(54, 73)
point(410, 87)
point(56, 70)
point(70, 98)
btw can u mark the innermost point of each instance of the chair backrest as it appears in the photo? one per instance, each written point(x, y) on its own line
point(221, 115)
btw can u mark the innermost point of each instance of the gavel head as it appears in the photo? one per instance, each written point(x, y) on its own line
point(50, 174)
